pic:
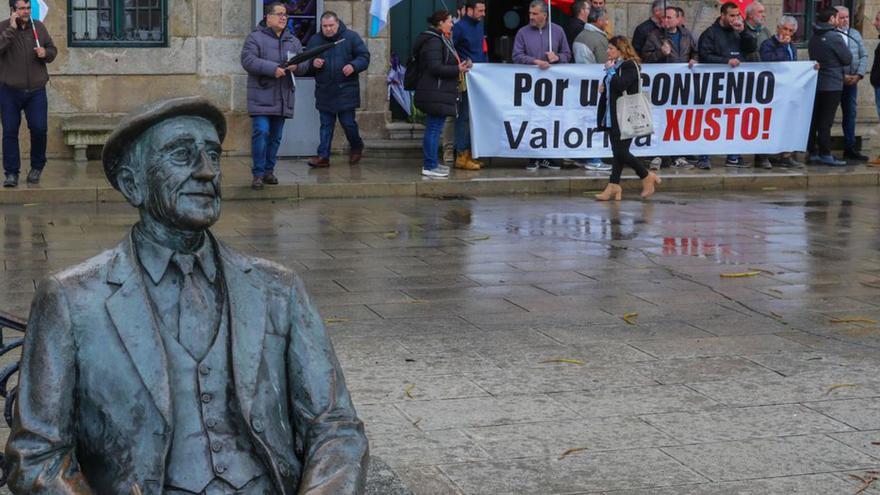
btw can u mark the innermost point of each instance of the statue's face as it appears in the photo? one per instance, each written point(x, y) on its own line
point(182, 173)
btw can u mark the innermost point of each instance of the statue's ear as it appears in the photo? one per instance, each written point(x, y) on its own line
point(129, 186)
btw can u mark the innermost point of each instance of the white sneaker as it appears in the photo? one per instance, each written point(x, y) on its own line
point(437, 172)
point(552, 165)
point(599, 167)
point(656, 162)
point(682, 163)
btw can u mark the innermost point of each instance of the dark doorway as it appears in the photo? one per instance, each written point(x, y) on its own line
point(503, 20)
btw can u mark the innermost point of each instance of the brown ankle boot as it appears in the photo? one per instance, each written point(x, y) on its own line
point(612, 191)
point(648, 185)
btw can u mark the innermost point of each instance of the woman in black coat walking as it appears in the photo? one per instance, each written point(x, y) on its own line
point(441, 73)
point(621, 77)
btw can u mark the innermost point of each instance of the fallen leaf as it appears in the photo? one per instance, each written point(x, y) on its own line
point(566, 361)
point(478, 238)
point(28, 205)
point(629, 318)
point(335, 320)
point(875, 443)
point(418, 301)
point(839, 385)
point(852, 320)
point(409, 388)
point(571, 451)
point(740, 274)
point(391, 235)
point(417, 421)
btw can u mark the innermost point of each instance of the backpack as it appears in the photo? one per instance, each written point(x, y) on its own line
point(413, 73)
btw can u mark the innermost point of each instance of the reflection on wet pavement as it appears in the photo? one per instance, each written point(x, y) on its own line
point(695, 344)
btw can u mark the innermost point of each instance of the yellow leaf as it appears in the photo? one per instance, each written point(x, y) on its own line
point(27, 205)
point(478, 238)
point(853, 320)
point(418, 301)
point(571, 451)
point(566, 361)
point(839, 385)
point(409, 388)
point(740, 274)
point(629, 318)
point(391, 235)
point(335, 320)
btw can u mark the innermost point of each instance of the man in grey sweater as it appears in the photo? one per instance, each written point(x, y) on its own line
point(852, 74)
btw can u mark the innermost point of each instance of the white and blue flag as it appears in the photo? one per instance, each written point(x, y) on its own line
point(39, 9)
point(379, 14)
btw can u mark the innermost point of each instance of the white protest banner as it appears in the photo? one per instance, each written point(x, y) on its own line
point(522, 111)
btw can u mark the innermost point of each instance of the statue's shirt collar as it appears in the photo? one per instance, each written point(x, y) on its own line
point(155, 258)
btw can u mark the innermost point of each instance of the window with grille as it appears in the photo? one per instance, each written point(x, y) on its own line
point(117, 23)
point(805, 13)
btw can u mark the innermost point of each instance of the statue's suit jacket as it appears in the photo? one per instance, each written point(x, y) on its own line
point(93, 414)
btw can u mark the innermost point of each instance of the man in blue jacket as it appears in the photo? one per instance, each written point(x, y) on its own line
point(780, 48)
point(337, 87)
point(468, 38)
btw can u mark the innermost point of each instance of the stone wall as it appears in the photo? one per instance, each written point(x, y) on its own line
point(203, 58)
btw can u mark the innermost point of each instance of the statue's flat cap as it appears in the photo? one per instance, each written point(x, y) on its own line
point(135, 123)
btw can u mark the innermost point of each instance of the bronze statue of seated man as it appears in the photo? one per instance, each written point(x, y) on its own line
point(173, 364)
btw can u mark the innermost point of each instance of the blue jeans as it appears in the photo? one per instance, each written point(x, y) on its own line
point(463, 125)
point(729, 157)
point(349, 125)
point(36, 111)
point(265, 140)
point(848, 106)
point(431, 140)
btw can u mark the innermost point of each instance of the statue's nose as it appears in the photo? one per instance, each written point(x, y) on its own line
point(205, 171)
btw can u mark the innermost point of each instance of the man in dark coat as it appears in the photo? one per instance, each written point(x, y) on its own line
point(780, 48)
point(726, 42)
point(172, 364)
point(650, 26)
point(337, 86)
point(270, 88)
point(875, 81)
point(828, 48)
point(580, 10)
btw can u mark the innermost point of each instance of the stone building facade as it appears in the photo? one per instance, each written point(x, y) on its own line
point(202, 57)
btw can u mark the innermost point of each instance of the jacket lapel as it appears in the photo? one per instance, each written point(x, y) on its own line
point(130, 311)
point(247, 307)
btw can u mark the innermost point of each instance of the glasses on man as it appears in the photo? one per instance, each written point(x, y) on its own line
point(282, 14)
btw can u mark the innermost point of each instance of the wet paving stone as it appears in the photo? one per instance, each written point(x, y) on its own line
point(696, 344)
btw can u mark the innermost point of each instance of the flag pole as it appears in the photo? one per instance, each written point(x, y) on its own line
point(550, 22)
point(36, 37)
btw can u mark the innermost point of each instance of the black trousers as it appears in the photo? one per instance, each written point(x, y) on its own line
point(823, 118)
point(622, 156)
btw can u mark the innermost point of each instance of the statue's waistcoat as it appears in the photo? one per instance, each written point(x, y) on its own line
point(210, 439)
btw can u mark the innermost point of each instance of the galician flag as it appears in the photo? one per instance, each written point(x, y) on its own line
point(39, 9)
point(379, 14)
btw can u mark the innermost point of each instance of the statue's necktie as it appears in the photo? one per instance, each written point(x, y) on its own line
point(194, 332)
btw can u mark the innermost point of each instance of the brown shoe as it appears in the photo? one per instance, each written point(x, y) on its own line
point(875, 162)
point(257, 183)
point(465, 162)
point(270, 179)
point(319, 162)
point(355, 156)
point(648, 185)
point(612, 191)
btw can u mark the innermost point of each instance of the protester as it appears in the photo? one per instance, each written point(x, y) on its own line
point(755, 28)
point(23, 78)
point(875, 80)
point(337, 86)
point(591, 47)
point(441, 71)
point(540, 43)
point(830, 52)
point(653, 24)
point(852, 74)
point(621, 77)
point(270, 88)
point(580, 10)
point(725, 42)
point(673, 44)
point(609, 27)
point(779, 48)
point(468, 37)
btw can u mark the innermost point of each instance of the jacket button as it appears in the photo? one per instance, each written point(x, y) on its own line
point(284, 468)
point(216, 447)
point(257, 424)
point(219, 469)
point(210, 423)
point(204, 369)
point(206, 398)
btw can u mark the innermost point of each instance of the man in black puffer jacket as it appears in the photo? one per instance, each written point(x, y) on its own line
point(726, 42)
point(828, 48)
point(337, 87)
